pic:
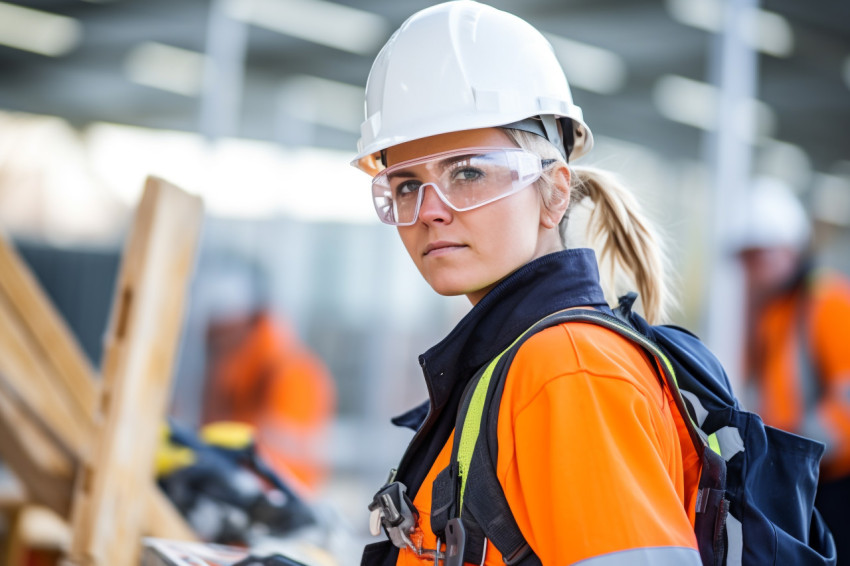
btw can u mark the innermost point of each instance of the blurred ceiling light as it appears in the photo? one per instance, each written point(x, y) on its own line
point(326, 23)
point(236, 177)
point(46, 188)
point(588, 67)
point(686, 101)
point(696, 104)
point(165, 67)
point(765, 31)
point(322, 101)
point(39, 32)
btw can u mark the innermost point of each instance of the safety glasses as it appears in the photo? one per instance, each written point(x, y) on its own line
point(463, 179)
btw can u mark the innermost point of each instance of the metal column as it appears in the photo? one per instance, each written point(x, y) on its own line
point(733, 69)
point(224, 72)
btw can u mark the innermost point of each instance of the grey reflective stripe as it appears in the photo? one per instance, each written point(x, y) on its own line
point(700, 411)
point(730, 442)
point(655, 556)
point(735, 541)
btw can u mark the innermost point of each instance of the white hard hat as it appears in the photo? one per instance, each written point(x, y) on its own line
point(774, 217)
point(461, 66)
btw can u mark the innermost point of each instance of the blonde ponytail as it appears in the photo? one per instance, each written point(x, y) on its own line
point(625, 241)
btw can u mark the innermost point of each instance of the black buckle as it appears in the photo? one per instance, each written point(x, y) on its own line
point(517, 555)
point(455, 542)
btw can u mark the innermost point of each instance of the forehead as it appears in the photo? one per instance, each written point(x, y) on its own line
point(487, 137)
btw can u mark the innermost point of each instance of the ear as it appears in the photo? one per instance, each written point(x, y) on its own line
point(553, 211)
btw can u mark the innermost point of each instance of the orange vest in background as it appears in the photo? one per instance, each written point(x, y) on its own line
point(801, 367)
point(619, 470)
point(259, 373)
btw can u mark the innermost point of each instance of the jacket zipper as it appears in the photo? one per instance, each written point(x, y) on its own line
point(420, 433)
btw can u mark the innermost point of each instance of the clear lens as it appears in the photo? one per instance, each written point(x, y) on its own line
point(464, 179)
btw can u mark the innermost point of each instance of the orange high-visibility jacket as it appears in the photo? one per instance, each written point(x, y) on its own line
point(802, 366)
point(594, 458)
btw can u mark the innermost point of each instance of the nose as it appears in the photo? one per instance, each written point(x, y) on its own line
point(433, 209)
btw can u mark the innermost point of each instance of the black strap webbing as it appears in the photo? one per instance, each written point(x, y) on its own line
point(485, 506)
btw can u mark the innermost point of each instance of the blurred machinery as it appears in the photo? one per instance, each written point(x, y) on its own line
point(224, 488)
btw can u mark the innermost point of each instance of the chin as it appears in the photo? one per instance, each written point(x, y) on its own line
point(448, 290)
point(454, 288)
point(446, 286)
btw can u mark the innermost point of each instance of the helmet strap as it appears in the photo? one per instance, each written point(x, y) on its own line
point(546, 126)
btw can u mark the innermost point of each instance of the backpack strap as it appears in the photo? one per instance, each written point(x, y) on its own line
point(486, 513)
point(482, 503)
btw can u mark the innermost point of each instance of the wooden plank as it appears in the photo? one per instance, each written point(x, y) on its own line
point(55, 340)
point(163, 519)
point(30, 379)
point(145, 324)
point(37, 536)
point(47, 405)
point(31, 432)
point(32, 454)
point(45, 470)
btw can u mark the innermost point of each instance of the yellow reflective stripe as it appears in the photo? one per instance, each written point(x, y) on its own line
point(472, 421)
point(713, 443)
point(659, 354)
point(641, 339)
point(472, 425)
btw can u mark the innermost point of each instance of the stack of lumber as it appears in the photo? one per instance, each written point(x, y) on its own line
point(81, 441)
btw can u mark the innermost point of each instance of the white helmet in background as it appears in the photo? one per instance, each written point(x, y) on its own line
point(774, 217)
point(460, 66)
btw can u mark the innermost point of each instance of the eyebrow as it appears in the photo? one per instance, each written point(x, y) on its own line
point(401, 174)
point(443, 165)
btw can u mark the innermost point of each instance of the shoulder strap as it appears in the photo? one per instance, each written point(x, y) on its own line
point(484, 502)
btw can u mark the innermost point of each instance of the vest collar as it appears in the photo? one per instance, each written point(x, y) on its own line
point(565, 279)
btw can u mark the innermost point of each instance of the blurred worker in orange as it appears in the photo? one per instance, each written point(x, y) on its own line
point(798, 341)
point(260, 373)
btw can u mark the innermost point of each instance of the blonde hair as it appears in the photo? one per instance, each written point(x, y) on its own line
point(624, 239)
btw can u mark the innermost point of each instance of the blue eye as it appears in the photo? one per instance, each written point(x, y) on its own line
point(466, 174)
point(407, 188)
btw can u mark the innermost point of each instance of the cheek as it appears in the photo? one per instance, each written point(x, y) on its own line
point(517, 223)
point(407, 234)
point(510, 239)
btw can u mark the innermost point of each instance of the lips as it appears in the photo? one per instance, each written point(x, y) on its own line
point(435, 248)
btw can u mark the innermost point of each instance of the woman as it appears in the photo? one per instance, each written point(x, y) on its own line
point(470, 125)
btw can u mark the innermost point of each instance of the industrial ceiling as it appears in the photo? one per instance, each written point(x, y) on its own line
point(282, 82)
